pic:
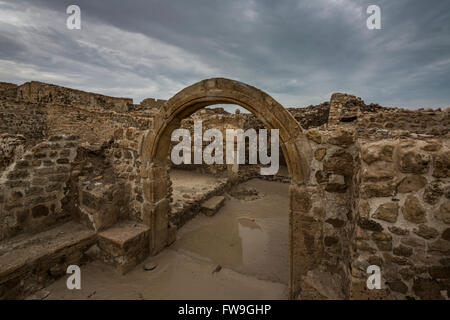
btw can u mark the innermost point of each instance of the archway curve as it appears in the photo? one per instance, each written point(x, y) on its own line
point(155, 149)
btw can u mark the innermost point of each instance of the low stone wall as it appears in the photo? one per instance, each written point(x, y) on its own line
point(31, 188)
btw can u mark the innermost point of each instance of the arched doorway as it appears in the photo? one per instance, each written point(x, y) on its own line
point(155, 154)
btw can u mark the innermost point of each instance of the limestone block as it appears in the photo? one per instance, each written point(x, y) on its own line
point(212, 205)
point(125, 245)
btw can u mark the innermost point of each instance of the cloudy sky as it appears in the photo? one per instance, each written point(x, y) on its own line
point(297, 51)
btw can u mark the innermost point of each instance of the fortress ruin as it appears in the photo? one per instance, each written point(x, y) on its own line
point(368, 185)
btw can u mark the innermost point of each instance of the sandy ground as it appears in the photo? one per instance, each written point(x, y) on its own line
point(192, 183)
point(247, 239)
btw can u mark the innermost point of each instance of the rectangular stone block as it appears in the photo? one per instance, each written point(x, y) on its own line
point(125, 245)
point(212, 205)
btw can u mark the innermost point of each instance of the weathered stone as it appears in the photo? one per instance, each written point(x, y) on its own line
point(212, 205)
point(336, 183)
point(336, 223)
point(426, 232)
point(427, 289)
point(32, 191)
point(64, 153)
point(55, 138)
point(340, 162)
point(364, 209)
point(401, 261)
point(330, 241)
point(342, 137)
point(439, 272)
point(413, 161)
point(377, 152)
point(432, 146)
point(369, 225)
point(413, 242)
point(398, 286)
point(442, 165)
point(413, 211)
point(377, 189)
point(39, 211)
point(62, 161)
point(300, 198)
point(18, 174)
point(432, 193)
point(411, 184)
point(382, 240)
point(21, 164)
point(314, 135)
point(443, 213)
point(379, 171)
point(322, 177)
point(125, 245)
point(447, 192)
point(439, 247)
point(398, 231)
point(365, 247)
point(387, 212)
point(155, 190)
point(446, 234)
point(375, 260)
point(17, 184)
point(406, 273)
point(403, 251)
point(319, 154)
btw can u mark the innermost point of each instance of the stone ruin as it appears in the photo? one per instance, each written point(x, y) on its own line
point(85, 176)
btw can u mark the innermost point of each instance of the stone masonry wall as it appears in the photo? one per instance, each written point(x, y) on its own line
point(403, 218)
point(125, 158)
point(24, 118)
point(31, 188)
point(329, 215)
point(39, 92)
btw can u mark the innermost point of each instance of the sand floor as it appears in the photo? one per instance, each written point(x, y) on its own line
point(247, 239)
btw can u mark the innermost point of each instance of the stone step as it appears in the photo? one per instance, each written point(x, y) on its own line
point(102, 204)
point(124, 245)
point(212, 205)
point(31, 262)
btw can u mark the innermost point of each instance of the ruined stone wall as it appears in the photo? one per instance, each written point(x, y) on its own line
point(31, 188)
point(24, 118)
point(12, 146)
point(126, 161)
point(327, 227)
point(94, 127)
point(38, 92)
point(39, 112)
point(424, 121)
point(8, 90)
point(403, 218)
point(374, 119)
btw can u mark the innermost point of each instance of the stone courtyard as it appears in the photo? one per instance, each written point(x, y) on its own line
point(85, 179)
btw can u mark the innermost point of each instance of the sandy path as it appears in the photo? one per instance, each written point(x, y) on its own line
point(248, 239)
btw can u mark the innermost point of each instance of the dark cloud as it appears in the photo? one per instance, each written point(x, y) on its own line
point(298, 51)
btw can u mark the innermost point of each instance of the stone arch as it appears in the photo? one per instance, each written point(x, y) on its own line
point(155, 149)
